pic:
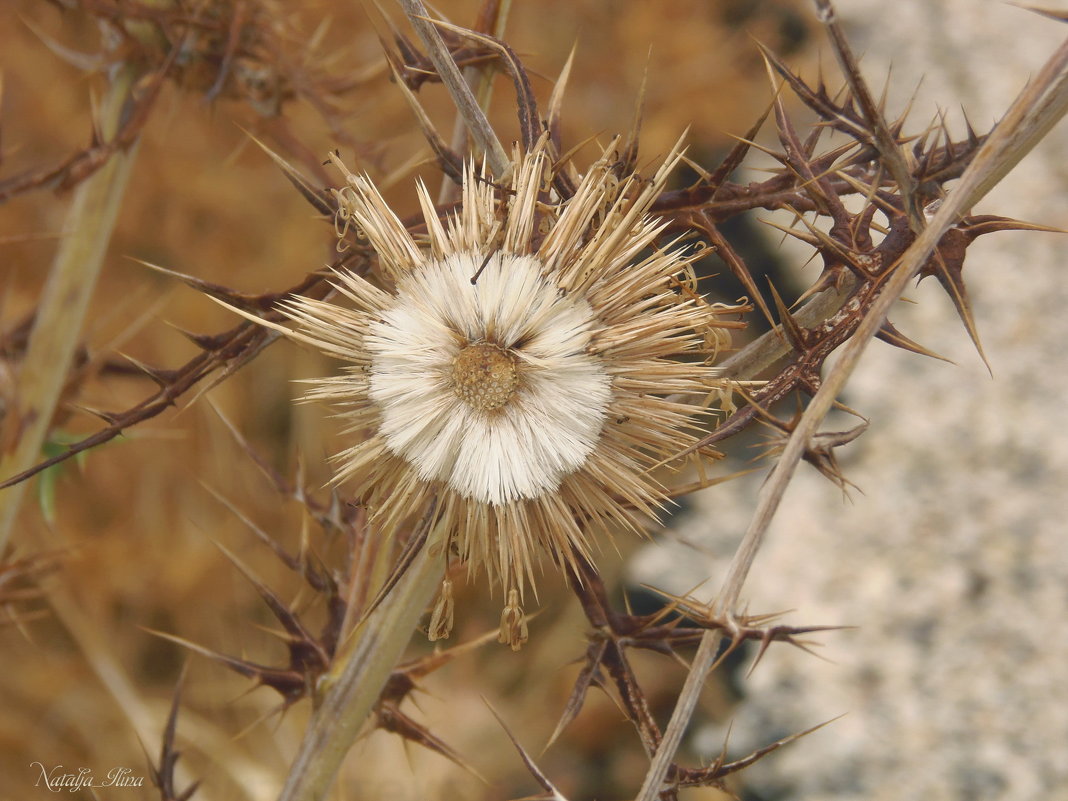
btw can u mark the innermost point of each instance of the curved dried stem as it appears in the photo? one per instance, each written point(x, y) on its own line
point(466, 104)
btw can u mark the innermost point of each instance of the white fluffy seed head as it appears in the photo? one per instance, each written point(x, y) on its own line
point(488, 387)
point(526, 408)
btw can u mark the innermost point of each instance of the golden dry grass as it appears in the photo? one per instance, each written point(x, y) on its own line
point(136, 524)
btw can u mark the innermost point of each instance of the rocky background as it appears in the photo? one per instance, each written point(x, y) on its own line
point(951, 557)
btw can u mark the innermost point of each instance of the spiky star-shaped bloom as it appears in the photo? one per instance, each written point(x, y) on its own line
point(519, 364)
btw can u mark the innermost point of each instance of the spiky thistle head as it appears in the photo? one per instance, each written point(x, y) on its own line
point(519, 364)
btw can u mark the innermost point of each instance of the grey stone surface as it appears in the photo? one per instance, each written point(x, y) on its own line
point(953, 563)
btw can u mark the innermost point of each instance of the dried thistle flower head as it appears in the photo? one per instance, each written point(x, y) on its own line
point(519, 364)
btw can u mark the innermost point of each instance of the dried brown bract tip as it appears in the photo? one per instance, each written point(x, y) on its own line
point(238, 49)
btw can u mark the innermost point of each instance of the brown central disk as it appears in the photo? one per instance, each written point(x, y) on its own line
point(485, 376)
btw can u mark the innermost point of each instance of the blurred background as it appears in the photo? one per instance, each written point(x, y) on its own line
point(951, 562)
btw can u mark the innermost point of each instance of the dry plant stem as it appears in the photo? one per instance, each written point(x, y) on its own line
point(466, 104)
point(765, 350)
point(480, 79)
point(356, 681)
point(1038, 107)
point(1030, 117)
point(62, 309)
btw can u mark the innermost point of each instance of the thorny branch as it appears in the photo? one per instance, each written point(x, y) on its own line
point(1032, 114)
point(680, 625)
point(240, 50)
point(226, 351)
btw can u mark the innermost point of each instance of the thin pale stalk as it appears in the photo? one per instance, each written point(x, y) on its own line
point(684, 706)
point(1039, 106)
point(485, 84)
point(768, 348)
point(480, 79)
point(357, 679)
point(61, 312)
point(466, 104)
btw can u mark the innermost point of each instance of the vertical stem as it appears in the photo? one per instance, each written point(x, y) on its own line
point(480, 79)
point(680, 717)
point(63, 306)
point(359, 676)
point(466, 105)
